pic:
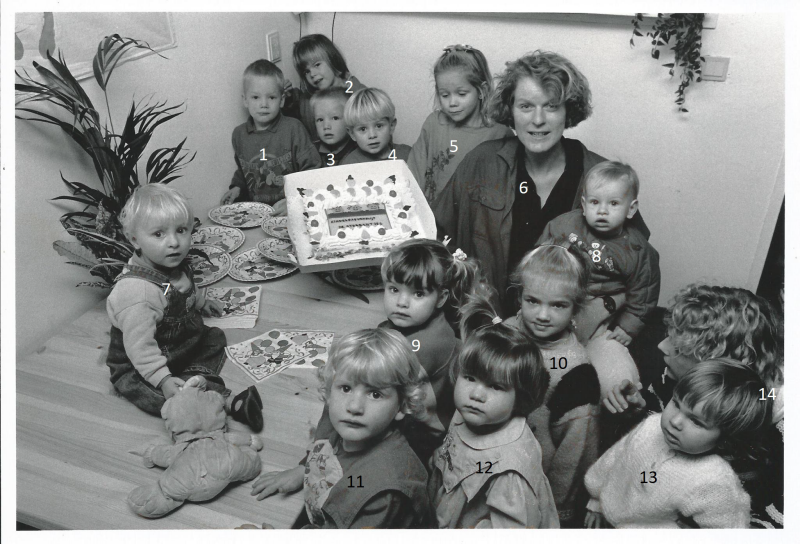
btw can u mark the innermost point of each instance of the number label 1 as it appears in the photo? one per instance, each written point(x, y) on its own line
point(453, 146)
point(486, 468)
point(523, 187)
point(652, 478)
point(349, 89)
point(562, 363)
point(330, 159)
point(264, 155)
point(351, 481)
point(392, 156)
point(770, 395)
point(415, 345)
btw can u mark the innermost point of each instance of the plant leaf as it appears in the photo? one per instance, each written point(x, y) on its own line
point(75, 251)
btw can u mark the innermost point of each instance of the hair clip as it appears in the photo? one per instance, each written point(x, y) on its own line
point(457, 47)
point(460, 255)
point(496, 320)
point(446, 240)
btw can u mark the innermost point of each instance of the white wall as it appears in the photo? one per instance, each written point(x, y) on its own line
point(205, 71)
point(711, 179)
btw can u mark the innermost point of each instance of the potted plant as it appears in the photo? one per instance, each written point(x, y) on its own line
point(101, 247)
point(687, 29)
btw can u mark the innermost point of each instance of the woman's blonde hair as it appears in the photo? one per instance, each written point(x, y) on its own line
point(154, 199)
point(558, 76)
point(379, 358)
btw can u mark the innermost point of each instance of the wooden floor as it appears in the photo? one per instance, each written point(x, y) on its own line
point(74, 433)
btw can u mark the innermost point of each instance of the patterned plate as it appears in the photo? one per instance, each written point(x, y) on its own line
point(366, 278)
point(277, 250)
point(206, 272)
point(228, 239)
point(243, 215)
point(251, 265)
point(277, 227)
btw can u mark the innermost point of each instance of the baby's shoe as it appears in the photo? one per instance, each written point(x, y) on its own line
point(246, 408)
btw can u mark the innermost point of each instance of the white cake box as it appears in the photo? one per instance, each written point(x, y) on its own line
point(422, 221)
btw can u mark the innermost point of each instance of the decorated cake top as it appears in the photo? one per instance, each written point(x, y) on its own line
point(357, 216)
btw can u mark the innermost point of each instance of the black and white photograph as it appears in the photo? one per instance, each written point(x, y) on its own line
point(418, 269)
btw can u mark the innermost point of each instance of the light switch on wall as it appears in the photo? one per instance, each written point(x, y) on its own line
point(715, 68)
point(274, 46)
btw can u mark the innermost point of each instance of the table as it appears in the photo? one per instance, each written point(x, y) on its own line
point(74, 432)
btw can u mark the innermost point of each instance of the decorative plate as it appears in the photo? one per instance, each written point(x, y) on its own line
point(277, 227)
point(206, 272)
point(243, 215)
point(251, 265)
point(277, 250)
point(228, 239)
point(366, 278)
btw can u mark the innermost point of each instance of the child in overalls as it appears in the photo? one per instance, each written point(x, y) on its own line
point(158, 339)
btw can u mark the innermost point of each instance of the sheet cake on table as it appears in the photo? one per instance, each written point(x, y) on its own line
point(351, 216)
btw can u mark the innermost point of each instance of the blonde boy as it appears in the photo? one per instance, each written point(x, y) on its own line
point(370, 120)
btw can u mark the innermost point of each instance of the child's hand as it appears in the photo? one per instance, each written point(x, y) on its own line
point(624, 396)
point(280, 207)
point(594, 520)
point(287, 481)
point(287, 86)
point(620, 336)
point(231, 195)
point(212, 308)
point(171, 385)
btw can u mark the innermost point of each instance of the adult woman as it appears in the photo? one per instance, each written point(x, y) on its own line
point(708, 322)
point(505, 191)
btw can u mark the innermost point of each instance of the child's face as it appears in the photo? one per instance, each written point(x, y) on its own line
point(263, 98)
point(483, 404)
point(406, 306)
point(459, 100)
point(361, 413)
point(329, 118)
point(685, 429)
point(373, 137)
point(164, 242)
point(547, 307)
point(677, 364)
point(606, 206)
point(319, 75)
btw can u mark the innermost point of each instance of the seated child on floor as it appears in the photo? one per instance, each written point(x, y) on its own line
point(158, 339)
point(333, 144)
point(369, 115)
point(551, 285)
point(268, 145)
point(488, 473)
point(362, 473)
point(624, 272)
point(423, 288)
point(673, 469)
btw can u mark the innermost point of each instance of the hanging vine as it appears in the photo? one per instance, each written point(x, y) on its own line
point(687, 30)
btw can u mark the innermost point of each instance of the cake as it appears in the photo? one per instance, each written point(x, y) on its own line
point(358, 216)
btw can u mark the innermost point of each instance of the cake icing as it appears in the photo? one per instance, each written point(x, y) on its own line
point(345, 217)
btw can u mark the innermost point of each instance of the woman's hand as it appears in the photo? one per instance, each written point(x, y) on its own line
point(212, 308)
point(230, 196)
point(594, 520)
point(287, 481)
point(623, 397)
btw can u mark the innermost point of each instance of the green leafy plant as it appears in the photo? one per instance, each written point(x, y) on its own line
point(687, 30)
point(101, 246)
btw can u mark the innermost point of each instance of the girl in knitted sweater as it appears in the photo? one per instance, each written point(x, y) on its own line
point(669, 472)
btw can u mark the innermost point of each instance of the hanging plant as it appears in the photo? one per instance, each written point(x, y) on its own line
point(687, 30)
point(101, 246)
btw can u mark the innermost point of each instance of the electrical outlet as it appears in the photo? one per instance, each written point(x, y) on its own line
point(274, 46)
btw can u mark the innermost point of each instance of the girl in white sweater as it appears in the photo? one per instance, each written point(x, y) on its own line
point(669, 471)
